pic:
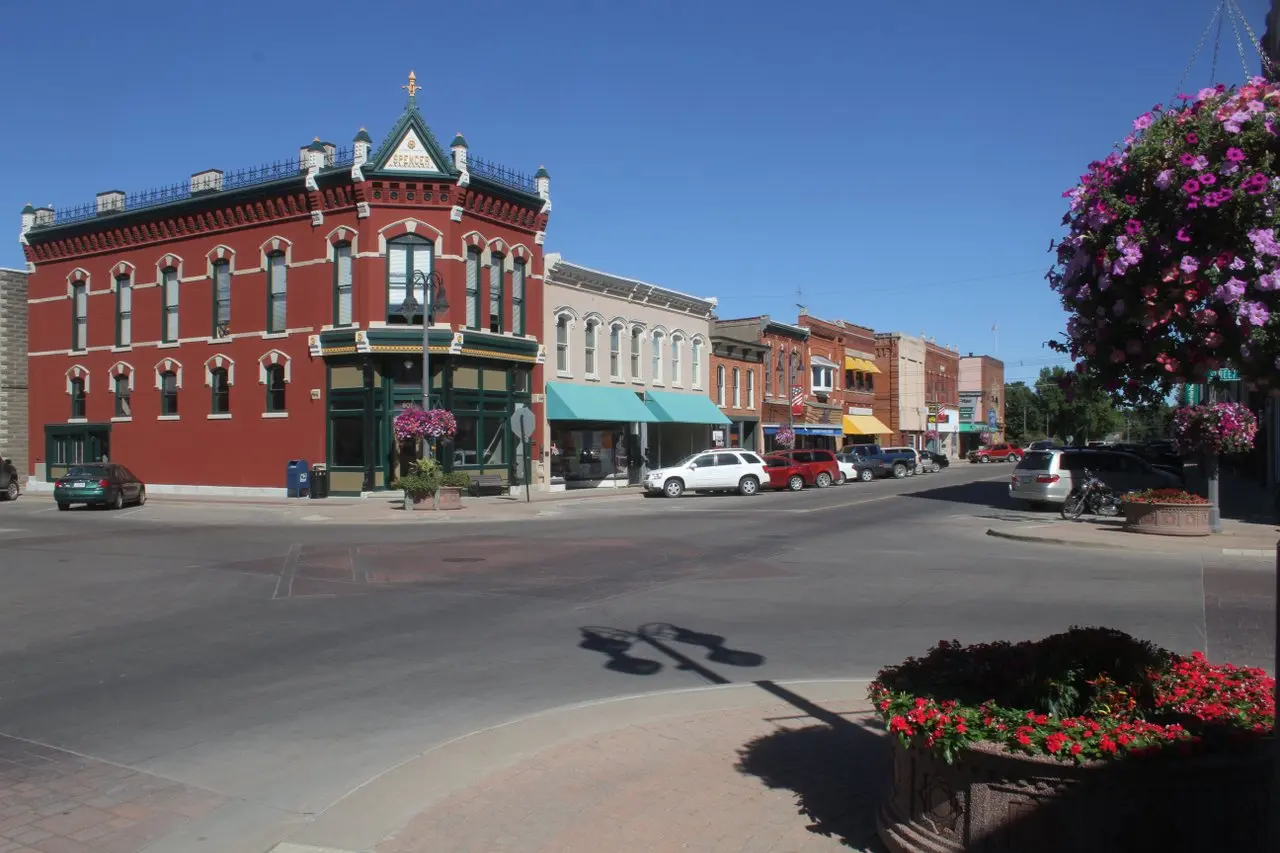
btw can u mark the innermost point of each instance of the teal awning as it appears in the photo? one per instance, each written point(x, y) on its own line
point(671, 408)
point(566, 402)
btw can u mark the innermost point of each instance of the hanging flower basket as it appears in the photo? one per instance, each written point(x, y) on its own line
point(785, 437)
point(1214, 429)
point(415, 424)
point(931, 435)
point(1171, 267)
point(984, 439)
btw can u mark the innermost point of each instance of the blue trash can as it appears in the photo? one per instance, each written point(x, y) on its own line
point(298, 478)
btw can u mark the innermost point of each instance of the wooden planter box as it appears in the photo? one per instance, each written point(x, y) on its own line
point(990, 801)
point(1167, 519)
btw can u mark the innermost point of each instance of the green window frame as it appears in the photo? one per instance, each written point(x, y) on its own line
point(517, 296)
point(221, 279)
point(277, 293)
point(497, 276)
point(275, 388)
point(169, 394)
point(124, 311)
point(77, 398)
point(80, 316)
point(169, 325)
point(405, 256)
point(123, 404)
point(219, 391)
point(473, 288)
point(343, 289)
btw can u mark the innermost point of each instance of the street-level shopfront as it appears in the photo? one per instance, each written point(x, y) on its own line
point(808, 437)
point(860, 426)
point(742, 432)
point(595, 435)
point(74, 444)
point(373, 374)
point(682, 425)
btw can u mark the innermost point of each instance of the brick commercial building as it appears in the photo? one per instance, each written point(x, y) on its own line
point(13, 369)
point(785, 369)
point(861, 378)
point(981, 394)
point(207, 333)
point(824, 390)
point(900, 398)
point(942, 398)
point(737, 368)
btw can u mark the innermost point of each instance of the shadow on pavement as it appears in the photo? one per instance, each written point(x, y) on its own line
point(616, 644)
point(992, 493)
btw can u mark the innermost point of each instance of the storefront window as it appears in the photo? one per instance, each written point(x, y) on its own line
point(584, 454)
point(464, 441)
point(347, 438)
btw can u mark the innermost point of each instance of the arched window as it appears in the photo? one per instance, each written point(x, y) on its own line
point(615, 351)
point(637, 334)
point(406, 256)
point(343, 285)
point(751, 389)
point(720, 385)
point(677, 369)
point(695, 363)
point(277, 293)
point(275, 387)
point(124, 406)
point(169, 288)
point(589, 347)
point(496, 280)
point(473, 287)
point(658, 349)
point(169, 394)
point(220, 391)
point(77, 398)
point(737, 388)
point(80, 319)
point(562, 343)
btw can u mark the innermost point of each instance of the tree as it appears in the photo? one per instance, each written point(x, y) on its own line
point(1023, 414)
point(1086, 413)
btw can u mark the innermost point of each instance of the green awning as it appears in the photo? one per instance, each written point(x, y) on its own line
point(671, 408)
point(566, 402)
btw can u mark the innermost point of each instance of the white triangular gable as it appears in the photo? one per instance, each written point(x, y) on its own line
point(411, 155)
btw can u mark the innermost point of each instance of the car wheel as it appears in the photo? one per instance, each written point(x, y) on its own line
point(843, 478)
point(118, 501)
point(1015, 458)
point(63, 507)
point(142, 496)
point(865, 475)
point(984, 459)
point(796, 483)
point(11, 491)
point(748, 486)
point(824, 480)
point(673, 488)
point(899, 471)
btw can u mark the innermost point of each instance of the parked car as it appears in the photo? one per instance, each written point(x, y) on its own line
point(710, 471)
point(784, 473)
point(887, 462)
point(1042, 444)
point(933, 462)
point(1048, 476)
point(911, 452)
point(8, 480)
point(821, 467)
point(855, 467)
point(1001, 452)
point(99, 484)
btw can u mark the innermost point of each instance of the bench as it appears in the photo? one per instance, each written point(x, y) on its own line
point(491, 482)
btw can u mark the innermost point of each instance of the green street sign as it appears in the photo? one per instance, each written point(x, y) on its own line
point(1226, 374)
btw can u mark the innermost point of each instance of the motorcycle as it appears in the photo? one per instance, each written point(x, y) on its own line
point(1093, 496)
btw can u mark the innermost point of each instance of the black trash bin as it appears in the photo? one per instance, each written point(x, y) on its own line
point(319, 482)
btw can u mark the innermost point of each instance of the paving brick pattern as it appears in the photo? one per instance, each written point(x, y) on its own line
point(678, 784)
point(53, 801)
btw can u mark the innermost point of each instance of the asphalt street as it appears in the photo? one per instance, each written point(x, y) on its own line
point(283, 665)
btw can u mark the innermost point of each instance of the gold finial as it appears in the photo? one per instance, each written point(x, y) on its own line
point(413, 86)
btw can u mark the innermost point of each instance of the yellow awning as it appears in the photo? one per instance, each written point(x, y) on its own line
point(870, 366)
point(864, 425)
point(860, 364)
point(851, 363)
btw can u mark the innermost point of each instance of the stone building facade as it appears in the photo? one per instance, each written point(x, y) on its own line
point(900, 397)
point(13, 370)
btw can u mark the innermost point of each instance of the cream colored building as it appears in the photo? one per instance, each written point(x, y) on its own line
point(627, 374)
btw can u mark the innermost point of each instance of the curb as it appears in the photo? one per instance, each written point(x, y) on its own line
point(1045, 540)
point(1070, 543)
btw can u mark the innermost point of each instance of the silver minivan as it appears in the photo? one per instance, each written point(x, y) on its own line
point(1047, 476)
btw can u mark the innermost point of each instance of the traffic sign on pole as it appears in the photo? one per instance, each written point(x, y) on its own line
point(522, 424)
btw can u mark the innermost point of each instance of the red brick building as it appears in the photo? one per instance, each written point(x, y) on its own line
point(786, 360)
point(942, 397)
point(737, 388)
point(207, 333)
point(861, 378)
point(824, 389)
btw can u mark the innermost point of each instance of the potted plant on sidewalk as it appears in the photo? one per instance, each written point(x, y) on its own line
point(421, 484)
point(1167, 512)
point(452, 485)
point(1210, 431)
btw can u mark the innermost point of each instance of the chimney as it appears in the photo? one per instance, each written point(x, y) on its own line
point(44, 216)
point(315, 155)
point(360, 147)
point(111, 201)
point(28, 218)
point(459, 149)
point(330, 154)
point(543, 180)
point(208, 181)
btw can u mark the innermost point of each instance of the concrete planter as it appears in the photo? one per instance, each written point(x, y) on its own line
point(989, 801)
point(449, 497)
point(1167, 519)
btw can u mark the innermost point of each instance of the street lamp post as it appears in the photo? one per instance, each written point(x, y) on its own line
point(433, 299)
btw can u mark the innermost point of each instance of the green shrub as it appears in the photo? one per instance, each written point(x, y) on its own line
point(457, 479)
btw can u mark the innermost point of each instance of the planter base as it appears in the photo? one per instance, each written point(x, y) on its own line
point(1167, 519)
point(449, 497)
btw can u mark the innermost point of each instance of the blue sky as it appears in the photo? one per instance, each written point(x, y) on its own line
point(898, 165)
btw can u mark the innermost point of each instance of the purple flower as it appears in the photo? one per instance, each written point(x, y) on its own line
point(1236, 264)
point(1183, 235)
point(1235, 155)
point(1206, 93)
point(1229, 291)
point(1186, 159)
point(1231, 127)
point(1207, 179)
point(1268, 282)
point(1264, 242)
point(1189, 264)
point(1254, 314)
point(1142, 122)
point(1255, 184)
point(1191, 186)
point(1200, 163)
point(1192, 139)
point(1164, 179)
point(1133, 227)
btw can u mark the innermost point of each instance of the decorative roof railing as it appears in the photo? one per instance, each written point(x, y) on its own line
point(501, 175)
point(233, 180)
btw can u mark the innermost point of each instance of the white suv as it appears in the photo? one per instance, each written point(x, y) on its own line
point(735, 470)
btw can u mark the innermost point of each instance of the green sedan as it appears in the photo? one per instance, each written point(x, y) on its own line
point(99, 484)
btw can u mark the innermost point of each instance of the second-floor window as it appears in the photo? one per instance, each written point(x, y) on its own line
point(77, 399)
point(517, 296)
point(342, 285)
point(495, 293)
point(637, 335)
point(169, 394)
point(695, 363)
point(589, 347)
point(124, 407)
point(473, 288)
point(737, 388)
point(221, 300)
point(277, 294)
point(615, 352)
point(406, 256)
point(79, 316)
point(720, 385)
point(677, 369)
point(768, 365)
point(220, 388)
point(169, 286)
point(562, 344)
point(658, 349)
point(822, 378)
point(751, 389)
point(124, 311)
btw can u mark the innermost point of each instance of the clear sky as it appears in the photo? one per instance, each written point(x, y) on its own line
point(897, 165)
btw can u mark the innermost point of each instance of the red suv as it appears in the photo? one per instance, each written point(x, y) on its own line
point(996, 453)
point(819, 467)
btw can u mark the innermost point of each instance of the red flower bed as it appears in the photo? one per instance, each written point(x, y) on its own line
point(1165, 496)
point(1087, 694)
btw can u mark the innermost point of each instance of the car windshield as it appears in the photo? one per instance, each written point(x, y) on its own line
point(686, 462)
point(1036, 460)
point(86, 471)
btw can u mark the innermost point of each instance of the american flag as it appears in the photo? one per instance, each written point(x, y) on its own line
point(797, 395)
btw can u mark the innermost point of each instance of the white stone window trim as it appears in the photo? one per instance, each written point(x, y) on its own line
point(272, 357)
point(697, 347)
point(167, 365)
point(216, 361)
point(224, 416)
point(78, 371)
point(592, 323)
point(657, 350)
point(274, 415)
point(168, 417)
point(677, 339)
point(122, 419)
point(570, 320)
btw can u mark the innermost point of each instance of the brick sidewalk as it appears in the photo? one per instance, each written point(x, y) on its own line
point(768, 779)
point(53, 801)
point(1238, 538)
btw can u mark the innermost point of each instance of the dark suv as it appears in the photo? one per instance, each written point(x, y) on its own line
point(885, 463)
point(8, 480)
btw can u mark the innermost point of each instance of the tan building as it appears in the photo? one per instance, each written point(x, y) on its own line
point(13, 370)
point(981, 400)
point(900, 397)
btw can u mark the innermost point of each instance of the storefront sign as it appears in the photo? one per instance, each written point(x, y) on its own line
point(860, 410)
point(717, 438)
point(966, 414)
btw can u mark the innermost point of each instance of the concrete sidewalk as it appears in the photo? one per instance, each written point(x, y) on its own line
point(1238, 538)
point(768, 768)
